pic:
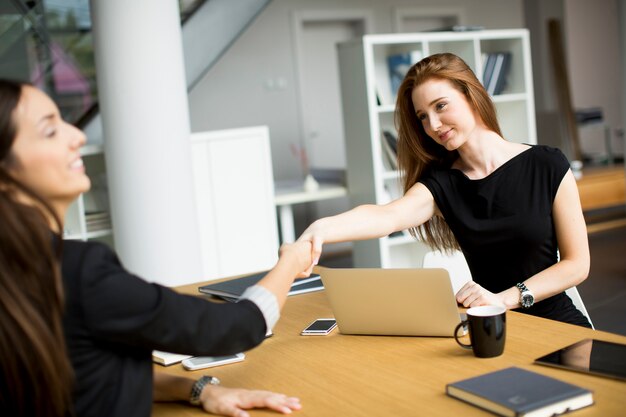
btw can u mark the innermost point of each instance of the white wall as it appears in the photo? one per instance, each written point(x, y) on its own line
point(593, 55)
point(590, 32)
point(537, 13)
point(255, 82)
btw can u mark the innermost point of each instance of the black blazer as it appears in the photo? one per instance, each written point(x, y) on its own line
point(114, 319)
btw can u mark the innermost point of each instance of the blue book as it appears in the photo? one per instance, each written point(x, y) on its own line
point(503, 77)
point(488, 69)
point(399, 65)
point(495, 73)
point(516, 392)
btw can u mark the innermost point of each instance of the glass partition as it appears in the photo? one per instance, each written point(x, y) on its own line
point(49, 44)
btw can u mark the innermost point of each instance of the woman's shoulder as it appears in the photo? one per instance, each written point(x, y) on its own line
point(72, 248)
point(550, 156)
point(436, 173)
point(80, 254)
point(546, 151)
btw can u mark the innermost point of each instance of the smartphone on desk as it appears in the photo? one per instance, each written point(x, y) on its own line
point(201, 362)
point(320, 327)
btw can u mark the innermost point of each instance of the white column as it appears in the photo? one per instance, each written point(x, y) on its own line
point(143, 103)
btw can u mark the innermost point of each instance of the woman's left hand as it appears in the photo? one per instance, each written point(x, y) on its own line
point(472, 295)
point(234, 401)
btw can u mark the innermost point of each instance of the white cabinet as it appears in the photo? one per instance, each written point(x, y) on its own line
point(368, 106)
point(234, 193)
point(89, 216)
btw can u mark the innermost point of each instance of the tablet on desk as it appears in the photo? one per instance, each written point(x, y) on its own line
point(591, 356)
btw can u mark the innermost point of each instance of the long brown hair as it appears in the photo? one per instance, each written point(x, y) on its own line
point(416, 150)
point(37, 374)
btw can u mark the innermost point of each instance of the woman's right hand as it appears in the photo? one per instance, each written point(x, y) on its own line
point(300, 254)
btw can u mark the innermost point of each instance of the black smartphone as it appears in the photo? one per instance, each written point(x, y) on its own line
point(320, 327)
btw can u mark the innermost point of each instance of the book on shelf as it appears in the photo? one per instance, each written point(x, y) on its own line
point(98, 220)
point(517, 392)
point(392, 140)
point(503, 75)
point(232, 289)
point(97, 215)
point(389, 147)
point(398, 65)
point(488, 61)
point(98, 227)
point(484, 58)
point(496, 72)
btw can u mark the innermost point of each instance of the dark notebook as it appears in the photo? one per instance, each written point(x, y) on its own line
point(232, 289)
point(517, 392)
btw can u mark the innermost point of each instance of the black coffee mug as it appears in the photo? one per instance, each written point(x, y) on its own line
point(487, 330)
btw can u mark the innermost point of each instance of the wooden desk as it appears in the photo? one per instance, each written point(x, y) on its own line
point(340, 375)
point(601, 188)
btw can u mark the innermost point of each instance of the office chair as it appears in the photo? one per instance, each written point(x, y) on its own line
point(578, 302)
point(574, 295)
point(455, 263)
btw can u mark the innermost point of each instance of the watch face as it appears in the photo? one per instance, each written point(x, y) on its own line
point(527, 300)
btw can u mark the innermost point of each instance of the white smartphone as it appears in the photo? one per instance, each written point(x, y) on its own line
point(320, 327)
point(201, 362)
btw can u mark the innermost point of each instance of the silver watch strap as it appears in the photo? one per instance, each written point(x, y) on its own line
point(199, 385)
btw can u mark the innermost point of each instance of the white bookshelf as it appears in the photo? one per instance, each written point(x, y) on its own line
point(368, 108)
point(89, 216)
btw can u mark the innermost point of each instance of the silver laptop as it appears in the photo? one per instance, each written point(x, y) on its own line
point(398, 302)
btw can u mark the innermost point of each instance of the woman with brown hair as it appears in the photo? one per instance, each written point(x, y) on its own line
point(105, 319)
point(511, 208)
point(36, 373)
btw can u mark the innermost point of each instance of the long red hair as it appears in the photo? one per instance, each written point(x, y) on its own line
point(416, 150)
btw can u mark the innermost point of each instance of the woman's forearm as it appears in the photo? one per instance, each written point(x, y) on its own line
point(551, 281)
point(293, 260)
point(363, 222)
point(171, 388)
point(370, 221)
point(559, 277)
point(278, 285)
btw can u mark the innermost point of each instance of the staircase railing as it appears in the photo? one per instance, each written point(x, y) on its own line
point(50, 45)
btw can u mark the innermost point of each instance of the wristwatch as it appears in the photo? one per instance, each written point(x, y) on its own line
point(199, 385)
point(526, 298)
